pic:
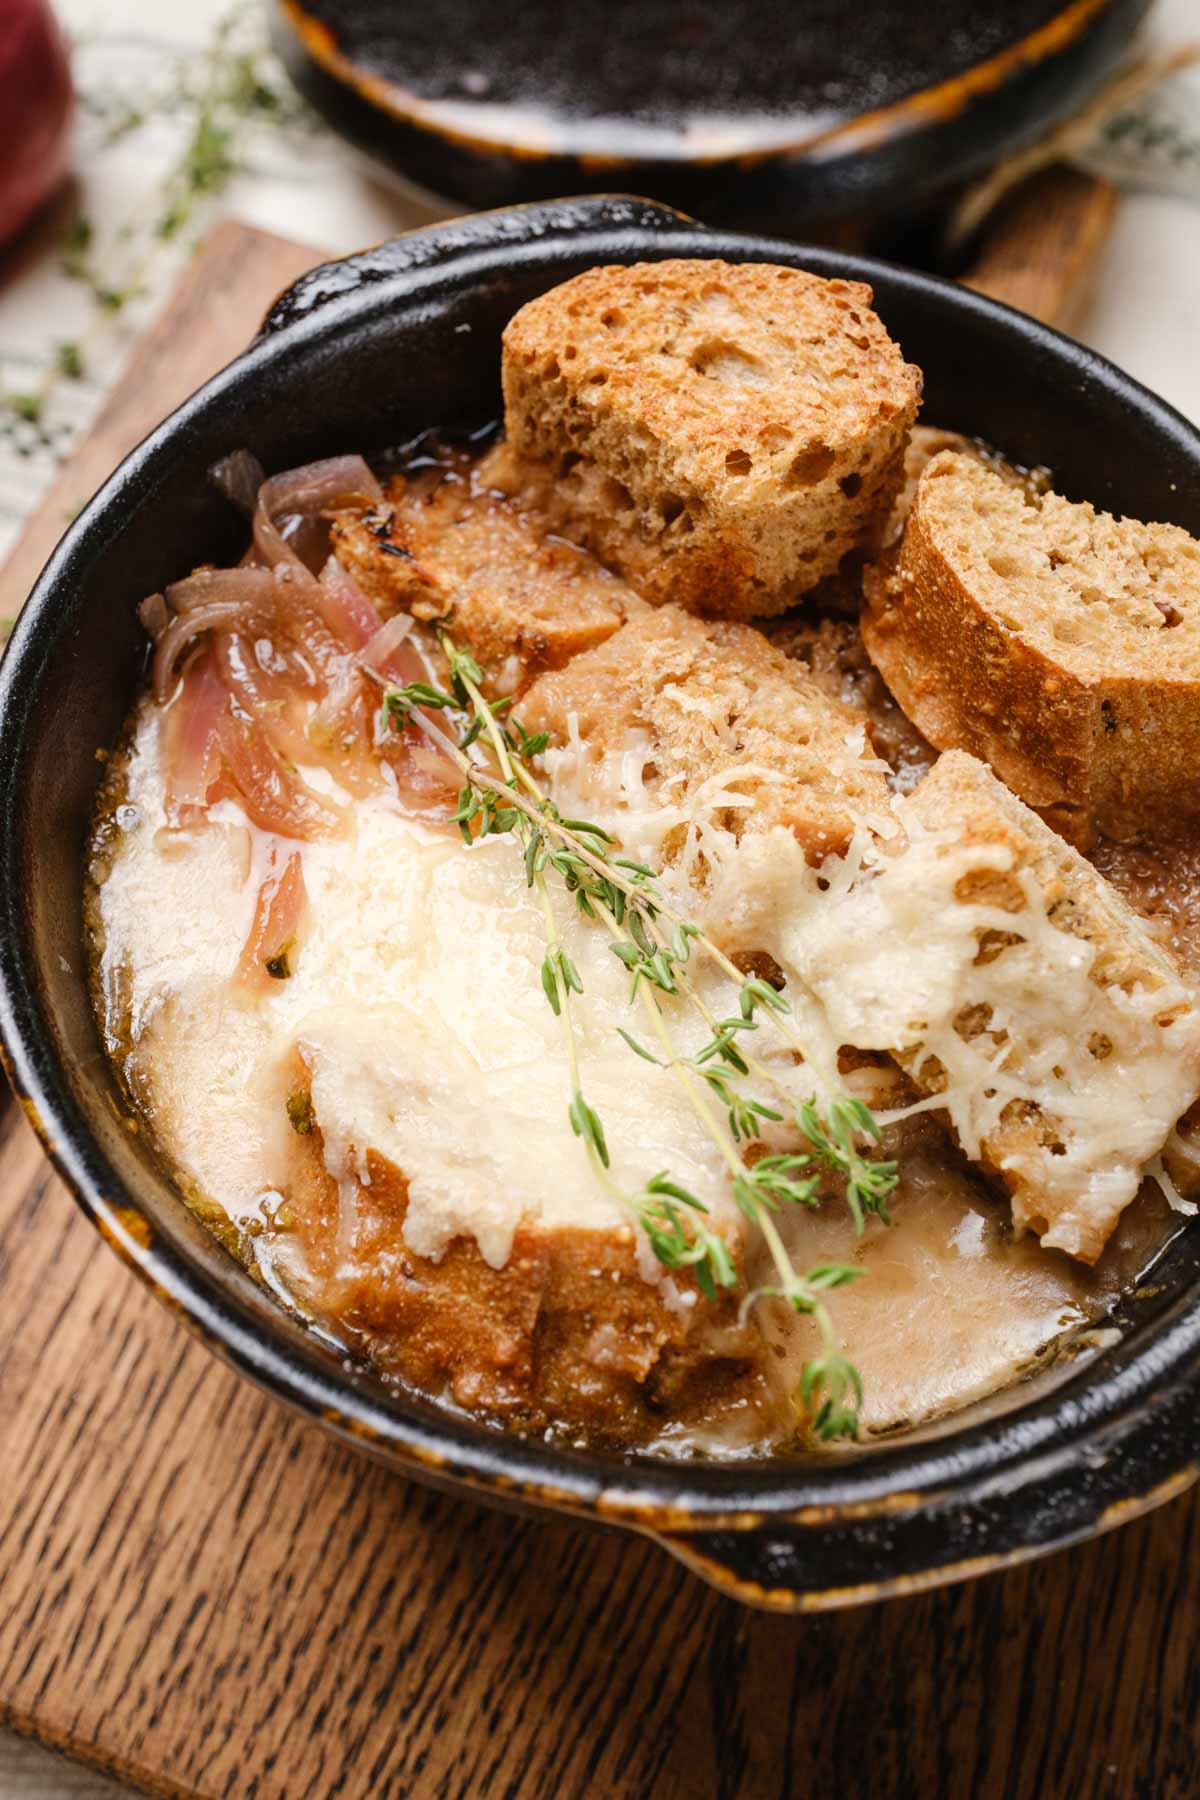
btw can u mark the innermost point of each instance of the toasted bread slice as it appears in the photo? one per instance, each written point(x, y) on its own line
point(1059, 644)
point(924, 443)
point(709, 699)
point(1073, 1047)
point(927, 441)
point(445, 548)
point(568, 1332)
point(723, 434)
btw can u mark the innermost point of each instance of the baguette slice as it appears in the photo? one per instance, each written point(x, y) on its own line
point(722, 434)
point(697, 703)
point(568, 1330)
point(1008, 977)
point(445, 549)
point(1059, 644)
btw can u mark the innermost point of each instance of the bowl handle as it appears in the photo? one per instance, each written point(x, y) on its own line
point(424, 251)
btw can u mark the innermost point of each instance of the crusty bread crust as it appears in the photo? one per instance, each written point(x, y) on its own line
point(723, 434)
point(961, 795)
point(449, 549)
point(1059, 644)
point(713, 696)
point(568, 1334)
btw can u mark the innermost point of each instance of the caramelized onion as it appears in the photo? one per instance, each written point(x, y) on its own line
point(340, 735)
point(154, 615)
point(184, 629)
point(264, 698)
point(280, 686)
point(271, 942)
point(274, 797)
point(432, 771)
point(345, 608)
point(389, 653)
point(318, 487)
point(192, 750)
point(255, 589)
point(239, 477)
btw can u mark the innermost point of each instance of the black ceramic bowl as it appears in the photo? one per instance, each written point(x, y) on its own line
point(358, 356)
point(766, 114)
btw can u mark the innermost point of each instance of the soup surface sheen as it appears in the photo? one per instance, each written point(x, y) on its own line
point(408, 1017)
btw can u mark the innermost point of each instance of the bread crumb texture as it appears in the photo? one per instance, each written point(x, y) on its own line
point(723, 435)
point(451, 552)
point(1018, 991)
point(1060, 644)
point(568, 1331)
point(706, 701)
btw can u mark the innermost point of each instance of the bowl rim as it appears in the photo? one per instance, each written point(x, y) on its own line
point(875, 127)
point(1037, 1442)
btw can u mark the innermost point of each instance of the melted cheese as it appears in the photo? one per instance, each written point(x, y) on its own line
point(894, 962)
point(416, 1006)
point(416, 1003)
point(882, 953)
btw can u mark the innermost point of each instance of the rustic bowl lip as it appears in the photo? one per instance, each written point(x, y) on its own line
point(1040, 1439)
point(874, 127)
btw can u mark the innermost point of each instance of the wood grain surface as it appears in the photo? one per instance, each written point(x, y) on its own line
point(204, 1595)
point(1043, 243)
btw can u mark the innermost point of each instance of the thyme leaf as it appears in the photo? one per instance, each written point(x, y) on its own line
point(655, 945)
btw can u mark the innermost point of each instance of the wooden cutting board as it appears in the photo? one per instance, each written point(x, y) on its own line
point(207, 1596)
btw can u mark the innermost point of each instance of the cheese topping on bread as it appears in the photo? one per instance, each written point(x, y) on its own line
point(1018, 991)
point(715, 712)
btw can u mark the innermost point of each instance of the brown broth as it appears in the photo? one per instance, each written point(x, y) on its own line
point(956, 1306)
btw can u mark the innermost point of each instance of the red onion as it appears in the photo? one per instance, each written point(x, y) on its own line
point(387, 653)
point(239, 477)
point(154, 614)
point(261, 697)
point(193, 759)
point(35, 111)
point(318, 487)
point(346, 609)
point(278, 910)
point(183, 630)
point(254, 589)
point(274, 798)
point(243, 721)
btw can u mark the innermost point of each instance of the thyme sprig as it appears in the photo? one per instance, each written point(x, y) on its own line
point(655, 945)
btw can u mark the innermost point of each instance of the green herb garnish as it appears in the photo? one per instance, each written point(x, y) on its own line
point(300, 1112)
point(655, 945)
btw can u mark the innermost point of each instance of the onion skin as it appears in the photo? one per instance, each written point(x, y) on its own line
point(270, 948)
point(36, 105)
point(193, 753)
point(267, 669)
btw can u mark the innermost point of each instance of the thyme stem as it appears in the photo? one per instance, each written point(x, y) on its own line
point(616, 892)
